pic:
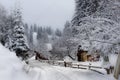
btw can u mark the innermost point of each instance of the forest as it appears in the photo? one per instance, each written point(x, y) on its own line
point(91, 37)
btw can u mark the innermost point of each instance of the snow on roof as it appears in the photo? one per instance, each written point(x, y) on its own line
point(67, 59)
point(85, 45)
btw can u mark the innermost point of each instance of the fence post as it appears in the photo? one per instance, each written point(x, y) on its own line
point(65, 64)
point(78, 66)
point(89, 66)
point(108, 70)
point(111, 69)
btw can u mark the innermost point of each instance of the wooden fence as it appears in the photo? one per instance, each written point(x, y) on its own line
point(69, 64)
point(72, 65)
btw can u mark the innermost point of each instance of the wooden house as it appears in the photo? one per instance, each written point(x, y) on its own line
point(83, 55)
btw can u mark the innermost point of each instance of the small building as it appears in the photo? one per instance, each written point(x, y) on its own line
point(83, 55)
point(89, 57)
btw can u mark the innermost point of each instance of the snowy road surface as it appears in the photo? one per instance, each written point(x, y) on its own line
point(42, 71)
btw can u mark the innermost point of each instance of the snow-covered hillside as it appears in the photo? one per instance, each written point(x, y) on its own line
point(11, 68)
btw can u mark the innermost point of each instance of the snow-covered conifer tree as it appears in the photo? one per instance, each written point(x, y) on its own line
point(58, 33)
point(19, 44)
point(4, 26)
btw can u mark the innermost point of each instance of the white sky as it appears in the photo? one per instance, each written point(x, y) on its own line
point(53, 13)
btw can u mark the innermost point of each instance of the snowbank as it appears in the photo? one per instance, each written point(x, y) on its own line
point(113, 59)
point(67, 59)
point(11, 68)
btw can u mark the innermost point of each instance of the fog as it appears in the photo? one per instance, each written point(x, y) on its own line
point(52, 13)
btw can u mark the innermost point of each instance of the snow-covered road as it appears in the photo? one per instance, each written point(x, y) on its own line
point(42, 71)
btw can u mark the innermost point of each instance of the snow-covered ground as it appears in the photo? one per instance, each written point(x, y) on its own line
point(113, 59)
point(42, 71)
point(11, 68)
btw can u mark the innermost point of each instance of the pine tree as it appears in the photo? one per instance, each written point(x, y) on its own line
point(67, 30)
point(67, 33)
point(49, 30)
point(4, 26)
point(58, 33)
point(19, 44)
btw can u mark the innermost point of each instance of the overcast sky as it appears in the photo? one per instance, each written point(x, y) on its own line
point(53, 13)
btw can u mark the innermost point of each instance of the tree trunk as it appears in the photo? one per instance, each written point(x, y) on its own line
point(117, 68)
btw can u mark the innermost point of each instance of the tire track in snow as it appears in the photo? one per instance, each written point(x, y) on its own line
point(46, 73)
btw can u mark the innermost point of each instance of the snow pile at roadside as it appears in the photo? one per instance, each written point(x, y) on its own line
point(113, 59)
point(67, 59)
point(11, 68)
